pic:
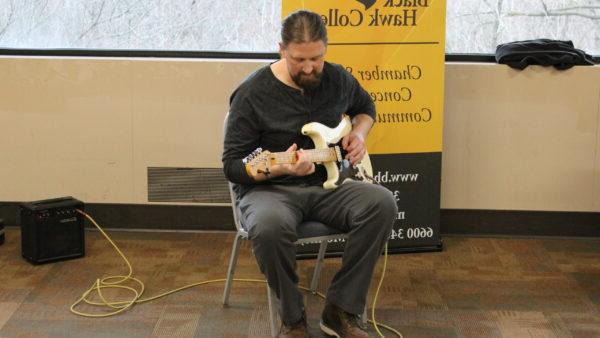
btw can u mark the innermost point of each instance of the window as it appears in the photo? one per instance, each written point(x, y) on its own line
point(478, 26)
point(472, 26)
point(224, 25)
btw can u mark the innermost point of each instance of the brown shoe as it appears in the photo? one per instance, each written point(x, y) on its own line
point(338, 323)
point(296, 330)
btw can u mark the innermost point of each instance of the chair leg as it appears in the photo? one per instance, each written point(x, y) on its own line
point(272, 311)
point(317, 272)
point(231, 270)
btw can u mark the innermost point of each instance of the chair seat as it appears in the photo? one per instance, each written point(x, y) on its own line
point(315, 229)
point(310, 229)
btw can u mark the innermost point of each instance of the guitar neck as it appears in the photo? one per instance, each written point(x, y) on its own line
point(314, 155)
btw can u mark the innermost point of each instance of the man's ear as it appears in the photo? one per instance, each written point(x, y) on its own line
point(281, 50)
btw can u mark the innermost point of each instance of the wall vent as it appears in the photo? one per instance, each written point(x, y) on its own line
point(194, 185)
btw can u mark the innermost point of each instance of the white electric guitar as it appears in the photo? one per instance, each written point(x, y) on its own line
point(328, 151)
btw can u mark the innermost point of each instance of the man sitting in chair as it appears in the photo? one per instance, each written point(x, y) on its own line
point(268, 111)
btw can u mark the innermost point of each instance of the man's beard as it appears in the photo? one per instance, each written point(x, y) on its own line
point(308, 82)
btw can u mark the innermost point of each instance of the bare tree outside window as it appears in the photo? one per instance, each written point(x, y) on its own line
point(478, 26)
point(472, 26)
point(223, 25)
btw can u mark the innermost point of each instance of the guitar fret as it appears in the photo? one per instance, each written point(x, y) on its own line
point(321, 155)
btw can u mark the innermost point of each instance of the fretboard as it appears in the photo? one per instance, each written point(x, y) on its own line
point(314, 155)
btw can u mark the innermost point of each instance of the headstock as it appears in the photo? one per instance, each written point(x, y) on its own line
point(258, 162)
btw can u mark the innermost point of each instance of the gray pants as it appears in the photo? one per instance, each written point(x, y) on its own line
point(271, 213)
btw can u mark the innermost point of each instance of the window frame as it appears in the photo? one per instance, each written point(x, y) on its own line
point(185, 54)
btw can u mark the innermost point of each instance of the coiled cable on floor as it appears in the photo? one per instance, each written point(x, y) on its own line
point(116, 282)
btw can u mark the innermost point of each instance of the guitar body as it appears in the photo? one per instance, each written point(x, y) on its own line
point(338, 172)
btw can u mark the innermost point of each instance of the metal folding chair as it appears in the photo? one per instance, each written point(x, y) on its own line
point(308, 232)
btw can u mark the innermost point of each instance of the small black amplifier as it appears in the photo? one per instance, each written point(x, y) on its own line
point(52, 230)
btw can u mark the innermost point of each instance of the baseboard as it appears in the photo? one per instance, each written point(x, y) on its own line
point(144, 216)
point(520, 223)
point(219, 218)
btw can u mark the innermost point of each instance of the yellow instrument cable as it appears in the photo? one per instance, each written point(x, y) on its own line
point(116, 282)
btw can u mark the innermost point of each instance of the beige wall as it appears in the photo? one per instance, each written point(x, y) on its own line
point(521, 140)
point(90, 128)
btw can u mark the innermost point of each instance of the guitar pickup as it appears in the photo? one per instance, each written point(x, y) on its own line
point(338, 154)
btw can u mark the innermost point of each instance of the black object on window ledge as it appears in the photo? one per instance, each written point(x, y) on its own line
point(544, 52)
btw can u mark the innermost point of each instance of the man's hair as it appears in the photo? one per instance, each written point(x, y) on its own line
point(303, 26)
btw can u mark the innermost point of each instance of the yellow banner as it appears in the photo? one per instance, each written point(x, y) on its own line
point(395, 49)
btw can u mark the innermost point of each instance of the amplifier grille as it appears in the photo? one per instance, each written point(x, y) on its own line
point(200, 185)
